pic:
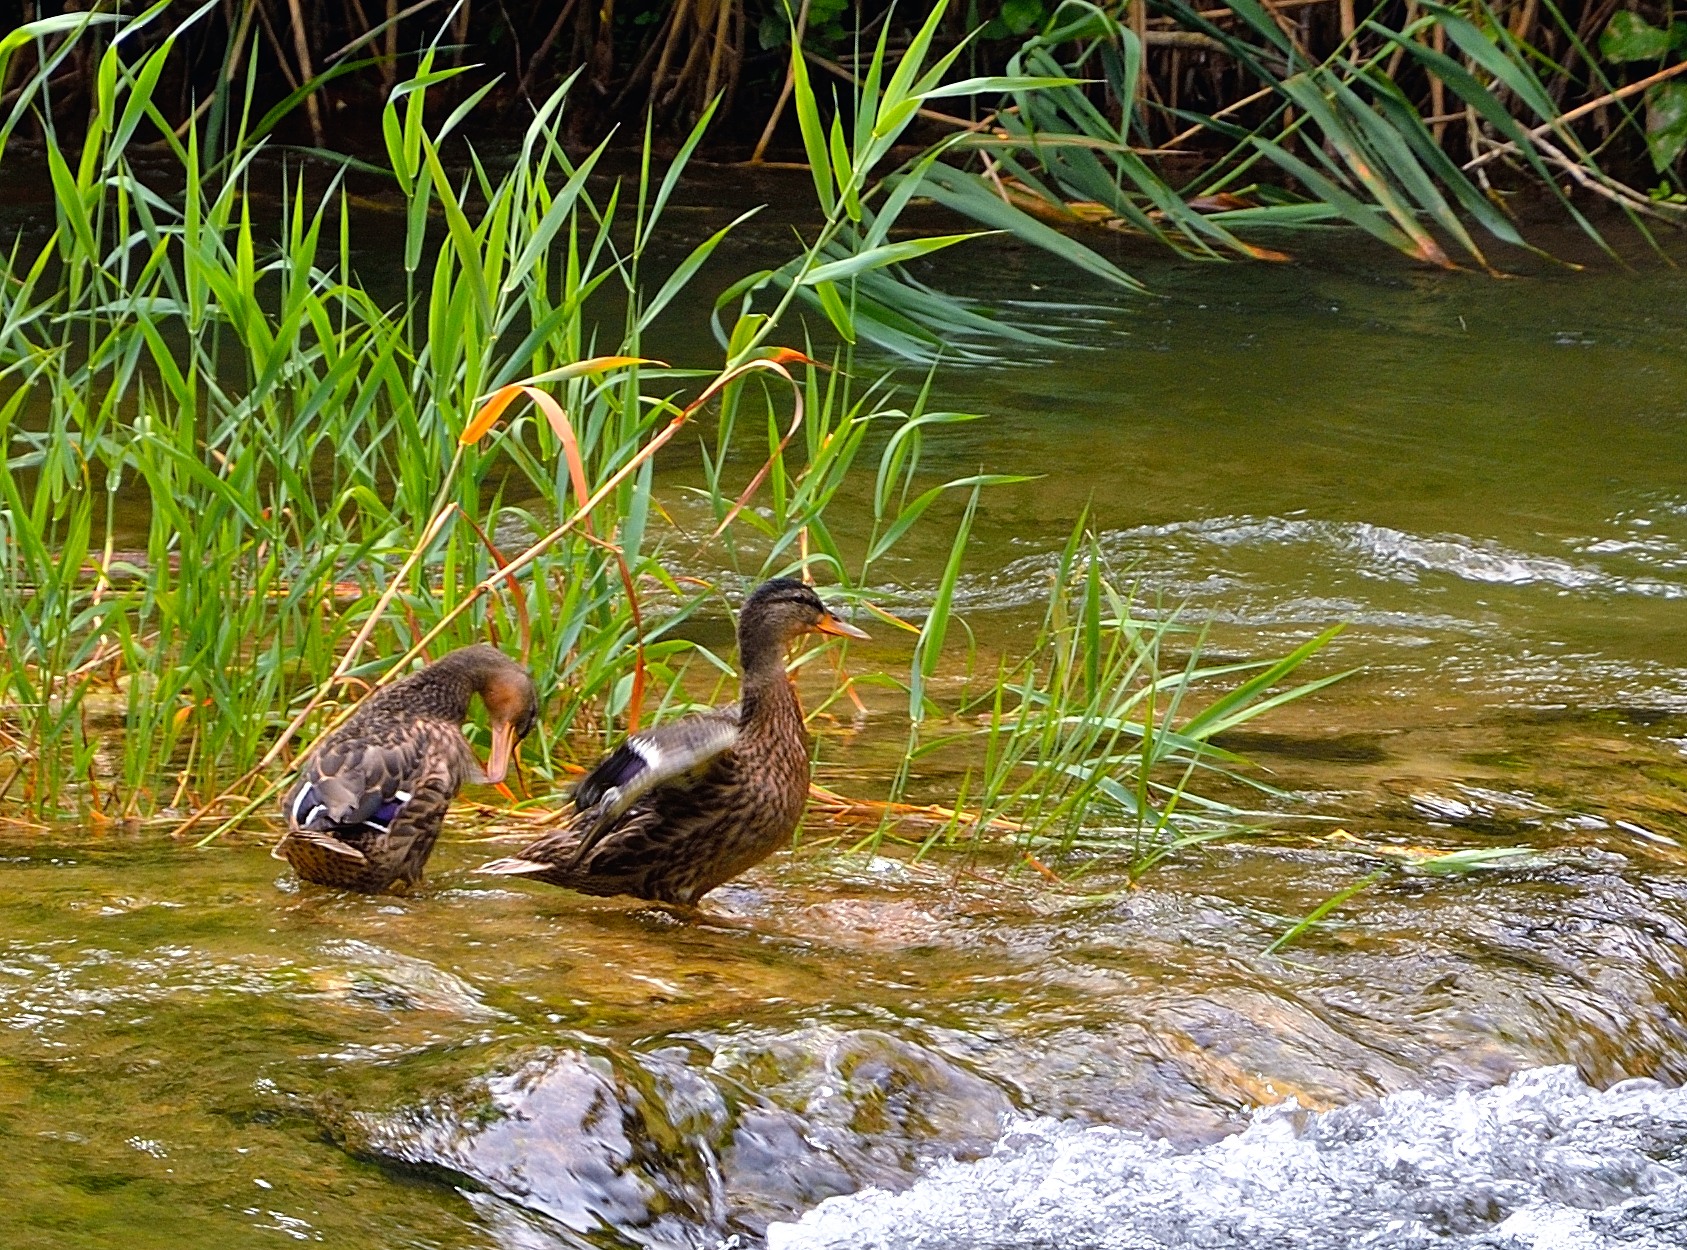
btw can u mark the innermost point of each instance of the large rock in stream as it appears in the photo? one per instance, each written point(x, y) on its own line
point(691, 1142)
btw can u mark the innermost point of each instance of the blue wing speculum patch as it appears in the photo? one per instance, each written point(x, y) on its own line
point(310, 812)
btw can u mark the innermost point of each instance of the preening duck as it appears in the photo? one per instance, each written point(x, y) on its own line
point(676, 810)
point(369, 802)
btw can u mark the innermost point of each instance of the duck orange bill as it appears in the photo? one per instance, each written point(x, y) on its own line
point(503, 744)
point(831, 624)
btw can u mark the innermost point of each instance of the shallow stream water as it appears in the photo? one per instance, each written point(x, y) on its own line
point(1486, 479)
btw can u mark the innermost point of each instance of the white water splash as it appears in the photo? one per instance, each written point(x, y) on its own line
point(1542, 1163)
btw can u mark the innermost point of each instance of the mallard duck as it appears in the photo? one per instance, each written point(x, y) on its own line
point(676, 810)
point(369, 801)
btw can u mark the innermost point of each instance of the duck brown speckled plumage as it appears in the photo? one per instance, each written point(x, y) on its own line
point(369, 802)
point(675, 811)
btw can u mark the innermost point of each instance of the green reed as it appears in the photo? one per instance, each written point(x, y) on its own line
point(1103, 736)
point(311, 502)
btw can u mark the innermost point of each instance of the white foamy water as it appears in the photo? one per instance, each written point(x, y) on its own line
point(1542, 1163)
point(1194, 562)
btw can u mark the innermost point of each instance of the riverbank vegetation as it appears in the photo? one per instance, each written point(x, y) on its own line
point(1195, 126)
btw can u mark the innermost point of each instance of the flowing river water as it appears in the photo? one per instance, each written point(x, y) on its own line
point(1486, 479)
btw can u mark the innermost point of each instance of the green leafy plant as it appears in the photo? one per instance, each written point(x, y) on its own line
point(1629, 37)
point(1101, 738)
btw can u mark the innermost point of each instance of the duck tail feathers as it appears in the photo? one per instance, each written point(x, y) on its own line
point(322, 841)
point(514, 866)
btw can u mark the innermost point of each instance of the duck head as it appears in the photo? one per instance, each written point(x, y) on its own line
point(779, 611)
point(512, 702)
point(512, 708)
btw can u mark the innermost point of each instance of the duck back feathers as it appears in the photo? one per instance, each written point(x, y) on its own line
point(368, 804)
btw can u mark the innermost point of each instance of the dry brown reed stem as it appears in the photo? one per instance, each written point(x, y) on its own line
point(1137, 17)
point(784, 91)
point(775, 364)
point(274, 38)
point(1186, 135)
point(843, 808)
point(1610, 97)
point(301, 45)
point(1437, 88)
point(1606, 188)
point(236, 57)
point(564, 11)
point(585, 510)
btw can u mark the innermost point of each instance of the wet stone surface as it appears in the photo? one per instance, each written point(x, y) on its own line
point(714, 1137)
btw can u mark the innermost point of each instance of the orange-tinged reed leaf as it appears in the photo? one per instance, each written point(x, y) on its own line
point(495, 404)
point(775, 363)
point(480, 425)
point(563, 428)
point(791, 356)
point(537, 548)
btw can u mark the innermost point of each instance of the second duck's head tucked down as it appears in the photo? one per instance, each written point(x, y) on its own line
point(512, 702)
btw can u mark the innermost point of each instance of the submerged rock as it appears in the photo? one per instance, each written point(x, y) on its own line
point(693, 1142)
point(1542, 1163)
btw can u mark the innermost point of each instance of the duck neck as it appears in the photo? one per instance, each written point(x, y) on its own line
point(766, 694)
point(445, 687)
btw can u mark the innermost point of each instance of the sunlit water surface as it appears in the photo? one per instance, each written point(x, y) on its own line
point(1487, 480)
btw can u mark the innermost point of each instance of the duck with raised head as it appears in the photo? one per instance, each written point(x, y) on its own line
point(676, 810)
point(370, 800)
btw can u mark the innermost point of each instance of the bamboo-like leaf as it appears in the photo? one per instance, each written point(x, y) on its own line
point(1311, 919)
point(493, 406)
point(884, 254)
point(813, 133)
point(928, 651)
point(996, 84)
point(966, 194)
point(1219, 714)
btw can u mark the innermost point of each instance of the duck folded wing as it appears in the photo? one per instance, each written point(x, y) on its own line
point(371, 857)
point(357, 783)
point(673, 755)
point(652, 758)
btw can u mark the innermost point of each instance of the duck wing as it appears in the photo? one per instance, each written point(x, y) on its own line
point(652, 758)
point(369, 802)
point(675, 755)
point(371, 856)
point(351, 782)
